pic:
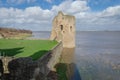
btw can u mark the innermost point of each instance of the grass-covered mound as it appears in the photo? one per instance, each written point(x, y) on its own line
point(25, 48)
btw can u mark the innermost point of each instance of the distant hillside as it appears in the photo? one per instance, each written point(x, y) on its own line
point(14, 33)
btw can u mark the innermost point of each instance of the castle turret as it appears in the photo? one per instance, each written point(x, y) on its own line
point(64, 30)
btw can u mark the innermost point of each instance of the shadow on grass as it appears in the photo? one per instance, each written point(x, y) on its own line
point(38, 54)
point(10, 52)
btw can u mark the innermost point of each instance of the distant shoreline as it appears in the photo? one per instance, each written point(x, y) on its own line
point(80, 31)
point(11, 33)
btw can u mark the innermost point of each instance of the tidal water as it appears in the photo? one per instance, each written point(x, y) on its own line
point(97, 54)
point(41, 34)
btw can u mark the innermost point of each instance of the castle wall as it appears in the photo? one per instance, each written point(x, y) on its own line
point(56, 55)
point(64, 30)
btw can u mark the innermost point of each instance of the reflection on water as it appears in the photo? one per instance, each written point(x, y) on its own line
point(67, 56)
point(98, 55)
point(76, 74)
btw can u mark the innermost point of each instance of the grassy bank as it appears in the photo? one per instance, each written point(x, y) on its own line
point(25, 48)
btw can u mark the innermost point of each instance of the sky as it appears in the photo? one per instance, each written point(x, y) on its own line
point(37, 15)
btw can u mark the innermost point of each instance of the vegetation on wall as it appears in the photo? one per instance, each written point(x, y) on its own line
point(61, 70)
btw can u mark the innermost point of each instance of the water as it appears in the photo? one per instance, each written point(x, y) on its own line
point(97, 55)
point(41, 35)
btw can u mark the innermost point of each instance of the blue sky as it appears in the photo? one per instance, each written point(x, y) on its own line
point(98, 5)
point(37, 15)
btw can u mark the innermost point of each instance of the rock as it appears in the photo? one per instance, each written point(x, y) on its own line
point(22, 68)
point(27, 69)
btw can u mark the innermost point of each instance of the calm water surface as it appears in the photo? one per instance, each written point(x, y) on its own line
point(97, 54)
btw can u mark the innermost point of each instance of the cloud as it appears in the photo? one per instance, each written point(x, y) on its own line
point(28, 18)
point(73, 7)
point(49, 1)
point(111, 15)
point(111, 11)
point(108, 19)
point(31, 1)
point(36, 18)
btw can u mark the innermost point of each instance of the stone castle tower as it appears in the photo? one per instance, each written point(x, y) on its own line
point(64, 30)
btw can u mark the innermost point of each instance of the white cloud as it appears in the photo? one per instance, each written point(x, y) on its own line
point(110, 15)
point(111, 11)
point(37, 18)
point(107, 19)
point(71, 6)
point(49, 1)
point(30, 17)
point(78, 6)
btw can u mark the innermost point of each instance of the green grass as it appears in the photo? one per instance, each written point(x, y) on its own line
point(25, 48)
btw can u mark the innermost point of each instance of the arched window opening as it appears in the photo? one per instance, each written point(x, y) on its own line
point(61, 26)
point(70, 28)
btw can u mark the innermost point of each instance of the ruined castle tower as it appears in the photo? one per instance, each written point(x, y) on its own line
point(64, 30)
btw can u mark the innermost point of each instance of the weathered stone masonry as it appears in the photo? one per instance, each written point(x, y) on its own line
point(56, 55)
point(64, 30)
